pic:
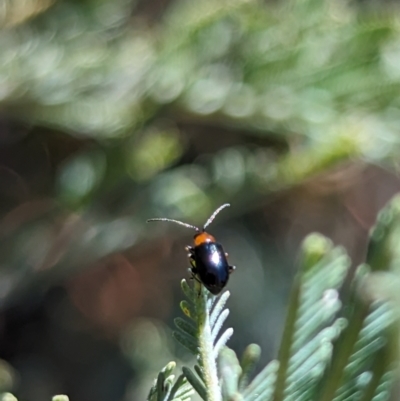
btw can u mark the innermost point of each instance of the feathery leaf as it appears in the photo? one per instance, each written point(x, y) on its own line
point(250, 357)
point(187, 341)
point(195, 382)
point(163, 388)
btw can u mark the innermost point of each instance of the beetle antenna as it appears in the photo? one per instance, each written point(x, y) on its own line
point(212, 217)
point(181, 223)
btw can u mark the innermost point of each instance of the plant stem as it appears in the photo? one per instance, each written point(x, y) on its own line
point(206, 347)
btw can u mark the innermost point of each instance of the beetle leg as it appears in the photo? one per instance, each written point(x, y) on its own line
point(193, 273)
point(190, 255)
point(232, 269)
point(194, 277)
point(192, 263)
point(192, 269)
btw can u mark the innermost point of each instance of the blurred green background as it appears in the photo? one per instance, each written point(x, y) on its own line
point(116, 111)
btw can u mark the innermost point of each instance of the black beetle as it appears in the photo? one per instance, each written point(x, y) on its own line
point(207, 257)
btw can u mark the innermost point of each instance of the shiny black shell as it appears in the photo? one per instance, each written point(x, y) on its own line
point(211, 266)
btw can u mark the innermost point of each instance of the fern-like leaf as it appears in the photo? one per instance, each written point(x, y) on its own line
point(261, 388)
point(311, 326)
point(250, 357)
point(203, 337)
point(164, 389)
point(364, 358)
point(328, 352)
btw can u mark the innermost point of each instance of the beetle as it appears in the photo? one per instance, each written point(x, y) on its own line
point(207, 257)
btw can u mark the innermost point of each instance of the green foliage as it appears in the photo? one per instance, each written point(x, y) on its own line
point(203, 338)
point(8, 397)
point(11, 397)
point(334, 347)
point(300, 85)
point(165, 389)
point(322, 74)
point(60, 397)
point(227, 59)
point(297, 86)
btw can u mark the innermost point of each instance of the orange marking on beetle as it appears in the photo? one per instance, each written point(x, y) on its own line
point(203, 238)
